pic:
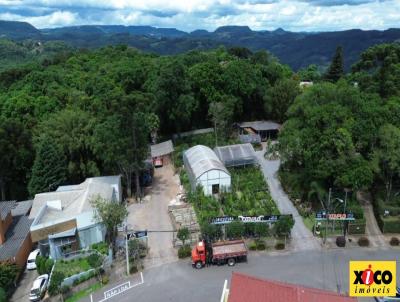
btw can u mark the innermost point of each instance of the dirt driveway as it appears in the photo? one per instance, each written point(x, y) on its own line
point(153, 216)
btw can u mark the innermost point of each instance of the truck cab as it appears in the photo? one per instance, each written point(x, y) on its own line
point(199, 255)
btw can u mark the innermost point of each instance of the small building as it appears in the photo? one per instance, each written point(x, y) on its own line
point(305, 84)
point(237, 155)
point(253, 289)
point(162, 151)
point(64, 220)
point(205, 169)
point(15, 238)
point(265, 129)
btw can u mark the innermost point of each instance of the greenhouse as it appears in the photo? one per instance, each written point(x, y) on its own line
point(205, 169)
point(237, 155)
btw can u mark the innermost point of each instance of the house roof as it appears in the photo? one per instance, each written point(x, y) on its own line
point(201, 159)
point(15, 236)
point(6, 207)
point(68, 202)
point(161, 149)
point(261, 125)
point(21, 208)
point(252, 289)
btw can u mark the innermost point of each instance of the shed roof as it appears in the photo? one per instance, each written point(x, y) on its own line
point(6, 207)
point(252, 289)
point(201, 159)
point(161, 149)
point(261, 125)
point(22, 208)
point(235, 155)
point(15, 236)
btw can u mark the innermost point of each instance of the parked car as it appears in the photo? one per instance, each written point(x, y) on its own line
point(158, 162)
point(39, 288)
point(31, 263)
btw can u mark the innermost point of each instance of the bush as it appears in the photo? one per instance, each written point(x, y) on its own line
point(184, 251)
point(101, 247)
point(94, 260)
point(133, 269)
point(252, 246)
point(280, 246)
point(105, 279)
point(284, 225)
point(56, 280)
point(3, 295)
point(391, 225)
point(363, 241)
point(341, 241)
point(260, 245)
point(235, 229)
point(41, 265)
point(183, 234)
point(48, 265)
point(65, 289)
point(394, 241)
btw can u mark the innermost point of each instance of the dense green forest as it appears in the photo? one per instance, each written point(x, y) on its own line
point(85, 113)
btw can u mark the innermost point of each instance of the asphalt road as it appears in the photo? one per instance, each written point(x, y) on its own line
point(324, 269)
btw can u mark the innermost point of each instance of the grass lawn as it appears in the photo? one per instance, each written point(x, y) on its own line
point(309, 222)
point(84, 293)
point(72, 267)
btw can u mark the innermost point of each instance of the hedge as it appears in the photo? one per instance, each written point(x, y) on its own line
point(390, 225)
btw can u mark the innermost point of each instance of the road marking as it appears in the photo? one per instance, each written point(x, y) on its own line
point(119, 289)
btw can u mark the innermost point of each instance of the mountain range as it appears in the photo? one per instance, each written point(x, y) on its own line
point(297, 49)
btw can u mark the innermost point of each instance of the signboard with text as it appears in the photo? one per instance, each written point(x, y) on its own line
point(334, 216)
point(247, 219)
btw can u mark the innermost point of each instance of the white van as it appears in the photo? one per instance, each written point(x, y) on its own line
point(31, 263)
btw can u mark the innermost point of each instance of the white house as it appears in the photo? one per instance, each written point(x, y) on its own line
point(64, 220)
point(205, 169)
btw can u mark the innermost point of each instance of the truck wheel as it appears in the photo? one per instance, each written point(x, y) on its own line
point(199, 265)
point(231, 261)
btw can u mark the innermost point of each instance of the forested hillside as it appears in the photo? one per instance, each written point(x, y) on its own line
point(297, 49)
point(93, 110)
point(87, 113)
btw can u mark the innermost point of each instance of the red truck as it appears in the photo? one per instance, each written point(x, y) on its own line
point(218, 253)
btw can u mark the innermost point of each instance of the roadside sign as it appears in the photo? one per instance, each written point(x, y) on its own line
point(334, 216)
point(136, 234)
point(247, 219)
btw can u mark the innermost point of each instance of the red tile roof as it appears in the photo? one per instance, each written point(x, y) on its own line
point(246, 288)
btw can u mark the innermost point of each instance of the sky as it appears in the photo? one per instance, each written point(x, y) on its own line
point(188, 15)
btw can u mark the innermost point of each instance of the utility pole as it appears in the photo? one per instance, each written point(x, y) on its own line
point(126, 250)
point(327, 214)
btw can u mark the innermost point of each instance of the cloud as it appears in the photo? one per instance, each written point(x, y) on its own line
point(295, 15)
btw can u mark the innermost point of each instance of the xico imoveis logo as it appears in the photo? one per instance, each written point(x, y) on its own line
point(372, 278)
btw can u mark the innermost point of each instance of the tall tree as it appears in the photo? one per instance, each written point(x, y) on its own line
point(336, 69)
point(111, 214)
point(49, 168)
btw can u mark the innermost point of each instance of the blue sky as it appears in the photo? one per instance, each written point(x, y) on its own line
point(294, 15)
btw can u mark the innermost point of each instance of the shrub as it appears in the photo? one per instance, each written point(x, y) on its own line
point(341, 241)
point(56, 280)
point(235, 229)
point(183, 234)
point(394, 241)
point(363, 241)
point(65, 289)
point(252, 246)
point(105, 279)
point(3, 296)
point(260, 245)
point(101, 247)
point(280, 246)
point(48, 265)
point(76, 281)
point(391, 225)
point(40, 265)
point(284, 225)
point(184, 251)
point(8, 273)
point(94, 260)
point(133, 269)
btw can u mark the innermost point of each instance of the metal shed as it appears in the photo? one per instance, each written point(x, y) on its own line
point(237, 155)
point(204, 168)
point(162, 149)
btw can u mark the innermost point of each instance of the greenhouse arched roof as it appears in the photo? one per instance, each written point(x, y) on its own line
point(201, 159)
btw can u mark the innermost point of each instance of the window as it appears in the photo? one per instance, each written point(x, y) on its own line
point(215, 189)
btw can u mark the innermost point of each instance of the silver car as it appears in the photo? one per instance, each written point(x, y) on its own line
point(39, 288)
